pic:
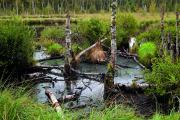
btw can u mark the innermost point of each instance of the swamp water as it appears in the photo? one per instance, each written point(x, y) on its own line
point(94, 92)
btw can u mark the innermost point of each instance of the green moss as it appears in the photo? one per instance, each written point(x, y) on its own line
point(146, 52)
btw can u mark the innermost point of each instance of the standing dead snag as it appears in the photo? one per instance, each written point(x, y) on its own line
point(162, 31)
point(109, 78)
point(177, 35)
point(68, 55)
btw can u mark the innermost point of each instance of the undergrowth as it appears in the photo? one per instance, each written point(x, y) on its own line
point(18, 105)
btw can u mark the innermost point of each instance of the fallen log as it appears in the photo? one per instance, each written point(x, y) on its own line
point(68, 98)
point(54, 102)
point(87, 49)
point(141, 65)
point(50, 58)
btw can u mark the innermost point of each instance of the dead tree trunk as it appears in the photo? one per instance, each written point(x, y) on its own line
point(162, 32)
point(68, 57)
point(109, 78)
point(54, 102)
point(171, 48)
point(113, 34)
point(177, 35)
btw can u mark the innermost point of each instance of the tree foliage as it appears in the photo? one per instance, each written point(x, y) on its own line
point(61, 6)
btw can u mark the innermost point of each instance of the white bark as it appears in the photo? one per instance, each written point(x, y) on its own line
point(113, 34)
point(54, 102)
point(68, 40)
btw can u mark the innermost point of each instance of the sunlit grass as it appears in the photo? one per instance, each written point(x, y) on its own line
point(18, 105)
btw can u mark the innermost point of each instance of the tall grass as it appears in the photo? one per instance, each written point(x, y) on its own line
point(17, 105)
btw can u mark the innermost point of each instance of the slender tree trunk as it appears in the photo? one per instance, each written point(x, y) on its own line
point(68, 58)
point(113, 35)
point(68, 40)
point(171, 48)
point(177, 35)
point(33, 7)
point(17, 8)
point(162, 32)
point(109, 77)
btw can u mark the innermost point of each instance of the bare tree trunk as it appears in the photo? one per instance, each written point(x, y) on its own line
point(171, 48)
point(109, 77)
point(68, 56)
point(162, 31)
point(177, 35)
point(68, 40)
point(113, 34)
point(17, 8)
point(33, 7)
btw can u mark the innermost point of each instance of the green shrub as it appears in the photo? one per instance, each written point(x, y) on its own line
point(16, 46)
point(55, 49)
point(146, 52)
point(53, 33)
point(126, 27)
point(165, 76)
point(153, 35)
point(92, 30)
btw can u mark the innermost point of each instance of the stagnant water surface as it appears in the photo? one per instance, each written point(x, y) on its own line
point(94, 92)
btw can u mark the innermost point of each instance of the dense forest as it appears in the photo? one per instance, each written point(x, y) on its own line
point(82, 6)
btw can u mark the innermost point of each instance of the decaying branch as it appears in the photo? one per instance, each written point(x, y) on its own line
point(87, 50)
point(54, 102)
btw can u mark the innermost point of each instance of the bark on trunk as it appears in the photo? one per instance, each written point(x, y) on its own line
point(109, 77)
point(113, 34)
point(54, 102)
point(162, 31)
point(68, 56)
point(177, 35)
